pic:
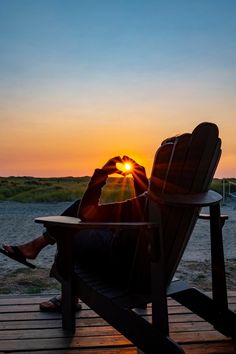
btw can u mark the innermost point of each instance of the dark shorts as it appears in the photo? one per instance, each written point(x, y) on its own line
point(93, 246)
point(106, 252)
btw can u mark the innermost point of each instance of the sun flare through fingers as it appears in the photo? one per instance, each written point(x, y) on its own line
point(125, 167)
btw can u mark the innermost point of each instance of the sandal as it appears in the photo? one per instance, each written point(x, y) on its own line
point(55, 305)
point(17, 256)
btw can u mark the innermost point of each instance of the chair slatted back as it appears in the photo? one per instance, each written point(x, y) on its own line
point(184, 164)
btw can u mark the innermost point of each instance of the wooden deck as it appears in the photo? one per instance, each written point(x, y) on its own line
point(23, 329)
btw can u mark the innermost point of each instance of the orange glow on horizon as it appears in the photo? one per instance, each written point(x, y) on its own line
point(56, 146)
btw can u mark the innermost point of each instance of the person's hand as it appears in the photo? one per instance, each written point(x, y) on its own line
point(136, 169)
point(110, 166)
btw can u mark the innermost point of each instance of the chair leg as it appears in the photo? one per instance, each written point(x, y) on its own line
point(65, 271)
point(68, 306)
point(214, 310)
point(219, 288)
point(68, 300)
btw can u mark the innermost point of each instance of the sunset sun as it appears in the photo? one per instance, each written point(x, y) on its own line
point(127, 166)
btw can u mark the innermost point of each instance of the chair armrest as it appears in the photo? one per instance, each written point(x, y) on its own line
point(75, 223)
point(188, 200)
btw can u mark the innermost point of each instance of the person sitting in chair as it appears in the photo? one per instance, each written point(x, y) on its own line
point(95, 248)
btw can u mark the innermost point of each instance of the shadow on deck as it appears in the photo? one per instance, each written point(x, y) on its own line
point(23, 329)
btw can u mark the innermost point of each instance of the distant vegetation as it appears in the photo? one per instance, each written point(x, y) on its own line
point(30, 189)
point(226, 184)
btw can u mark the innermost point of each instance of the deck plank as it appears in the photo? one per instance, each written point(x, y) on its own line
point(24, 329)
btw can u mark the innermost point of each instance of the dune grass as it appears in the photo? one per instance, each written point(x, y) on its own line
point(31, 189)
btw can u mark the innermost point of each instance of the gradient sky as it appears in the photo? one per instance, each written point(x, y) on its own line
point(84, 80)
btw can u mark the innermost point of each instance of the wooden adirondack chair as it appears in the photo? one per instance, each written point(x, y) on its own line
point(179, 186)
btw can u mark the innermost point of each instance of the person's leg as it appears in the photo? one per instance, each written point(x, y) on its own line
point(32, 248)
point(92, 247)
point(92, 250)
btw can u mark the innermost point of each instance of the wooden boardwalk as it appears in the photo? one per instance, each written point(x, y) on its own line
point(23, 329)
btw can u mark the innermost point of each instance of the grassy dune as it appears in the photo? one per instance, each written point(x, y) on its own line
point(30, 189)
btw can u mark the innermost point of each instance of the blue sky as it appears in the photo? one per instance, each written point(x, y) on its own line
point(88, 37)
point(158, 66)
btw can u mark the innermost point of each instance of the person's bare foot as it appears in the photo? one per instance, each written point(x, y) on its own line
point(31, 249)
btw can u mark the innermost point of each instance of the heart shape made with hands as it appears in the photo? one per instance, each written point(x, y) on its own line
point(125, 167)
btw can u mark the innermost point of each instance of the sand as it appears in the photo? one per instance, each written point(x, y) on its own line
point(17, 226)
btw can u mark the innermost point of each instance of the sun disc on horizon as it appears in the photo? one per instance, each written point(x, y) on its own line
point(124, 167)
point(128, 166)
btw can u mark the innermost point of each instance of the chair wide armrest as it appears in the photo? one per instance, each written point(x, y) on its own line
point(75, 223)
point(188, 200)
